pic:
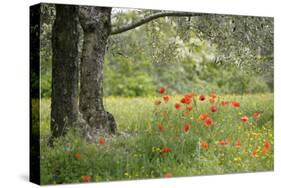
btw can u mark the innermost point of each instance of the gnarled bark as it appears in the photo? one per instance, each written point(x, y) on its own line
point(65, 38)
point(96, 25)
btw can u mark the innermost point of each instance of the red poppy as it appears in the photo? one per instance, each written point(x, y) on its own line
point(86, 178)
point(244, 118)
point(254, 153)
point(186, 127)
point(77, 156)
point(267, 145)
point(189, 108)
point(160, 127)
point(157, 102)
point(101, 141)
point(223, 142)
point(183, 100)
point(202, 97)
point(214, 109)
point(256, 114)
point(166, 98)
point(224, 103)
point(177, 106)
point(204, 144)
point(208, 122)
point(203, 116)
point(186, 100)
point(235, 104)
point(212, 101)
point(237, 144)
point(168, 175)
point(166, 150)
point(264, 150)
point(162, 90)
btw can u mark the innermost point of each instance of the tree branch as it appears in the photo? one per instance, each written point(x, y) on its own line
point(149, 18)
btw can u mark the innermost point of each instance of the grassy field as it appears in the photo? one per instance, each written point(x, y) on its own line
point(163, 140)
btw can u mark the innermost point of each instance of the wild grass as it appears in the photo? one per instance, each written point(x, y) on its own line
point(136, 151)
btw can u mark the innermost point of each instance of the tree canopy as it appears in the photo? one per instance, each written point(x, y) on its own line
point(193, 46)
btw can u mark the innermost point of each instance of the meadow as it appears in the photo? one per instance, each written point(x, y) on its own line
point(165, 136)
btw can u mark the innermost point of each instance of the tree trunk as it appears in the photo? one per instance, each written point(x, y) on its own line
point(96, 25)
point(65, 38)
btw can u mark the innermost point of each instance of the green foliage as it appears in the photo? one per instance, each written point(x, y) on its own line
point(230, 79)
point(186, 54)
point(126, 78)
point(123, 78)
